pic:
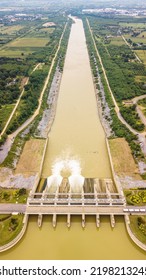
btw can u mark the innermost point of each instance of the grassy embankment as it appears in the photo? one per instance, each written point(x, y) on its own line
point(138, 227)
point(10, 227)
point(13, 195)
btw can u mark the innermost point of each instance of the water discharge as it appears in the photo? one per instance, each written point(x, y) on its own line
point(69, 168)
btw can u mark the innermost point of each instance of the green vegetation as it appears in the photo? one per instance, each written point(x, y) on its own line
point(5, 112)
point(29, 42)
point(41, 44)
point(10, 227)
point(121, 65)
point(135, 197)
point(118, 128)
point(142, 55)
point(29, 101)
point(11, 74)
point(15, 150)
point(13, 195)
point(129, 113)
point(138, 227)
point(28, 104)
point(142, 104)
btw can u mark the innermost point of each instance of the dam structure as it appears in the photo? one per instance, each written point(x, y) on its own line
point(76, 180)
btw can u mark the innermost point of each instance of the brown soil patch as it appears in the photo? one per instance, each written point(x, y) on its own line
point(23, 82)
point(123, 161)
point(31, 157)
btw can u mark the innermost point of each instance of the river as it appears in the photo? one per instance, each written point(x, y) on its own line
point(76, 132)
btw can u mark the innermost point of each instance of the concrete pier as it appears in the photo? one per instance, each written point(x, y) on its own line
point(68, 220)
point(112, 218)
point(97, 220)
point(40, 219)
point(54, 220)
point(83, 220)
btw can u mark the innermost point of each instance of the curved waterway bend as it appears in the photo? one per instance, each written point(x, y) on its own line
point(77, 128)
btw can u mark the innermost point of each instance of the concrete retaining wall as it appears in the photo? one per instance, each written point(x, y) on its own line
point(112, 169)
point(132, 236)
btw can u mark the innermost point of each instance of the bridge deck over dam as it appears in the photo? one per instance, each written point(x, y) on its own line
point(66, 202)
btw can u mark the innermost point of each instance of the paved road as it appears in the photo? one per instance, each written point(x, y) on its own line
point(11, 207)
point(74, 210)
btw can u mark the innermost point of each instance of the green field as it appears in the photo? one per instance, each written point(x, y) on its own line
point(133, 24)
point(14, 53)
point(142, 55)
point(40, 33)
point(136, 39)
point(10, 30)
point(118, 41)
point(142, 34)
point(29, 42)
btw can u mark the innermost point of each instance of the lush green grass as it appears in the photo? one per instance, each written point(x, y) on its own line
point(10, 30)
point(133, 24)
point(40, 33)
point(142, 55)
point(4, 217)
point(118, 41)
point(13, 195)
point(5, 112)
point(14, 53)
point(29, 42)
point(18, 52)
point(10, 227)
point(138, 227)
point(136, 39)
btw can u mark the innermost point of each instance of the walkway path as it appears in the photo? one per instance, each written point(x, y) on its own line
point(14, 110)
point(138, 59)
point(10, 208)
point(18, 101)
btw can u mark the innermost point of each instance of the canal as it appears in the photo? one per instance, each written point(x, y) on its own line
point(76, 133)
